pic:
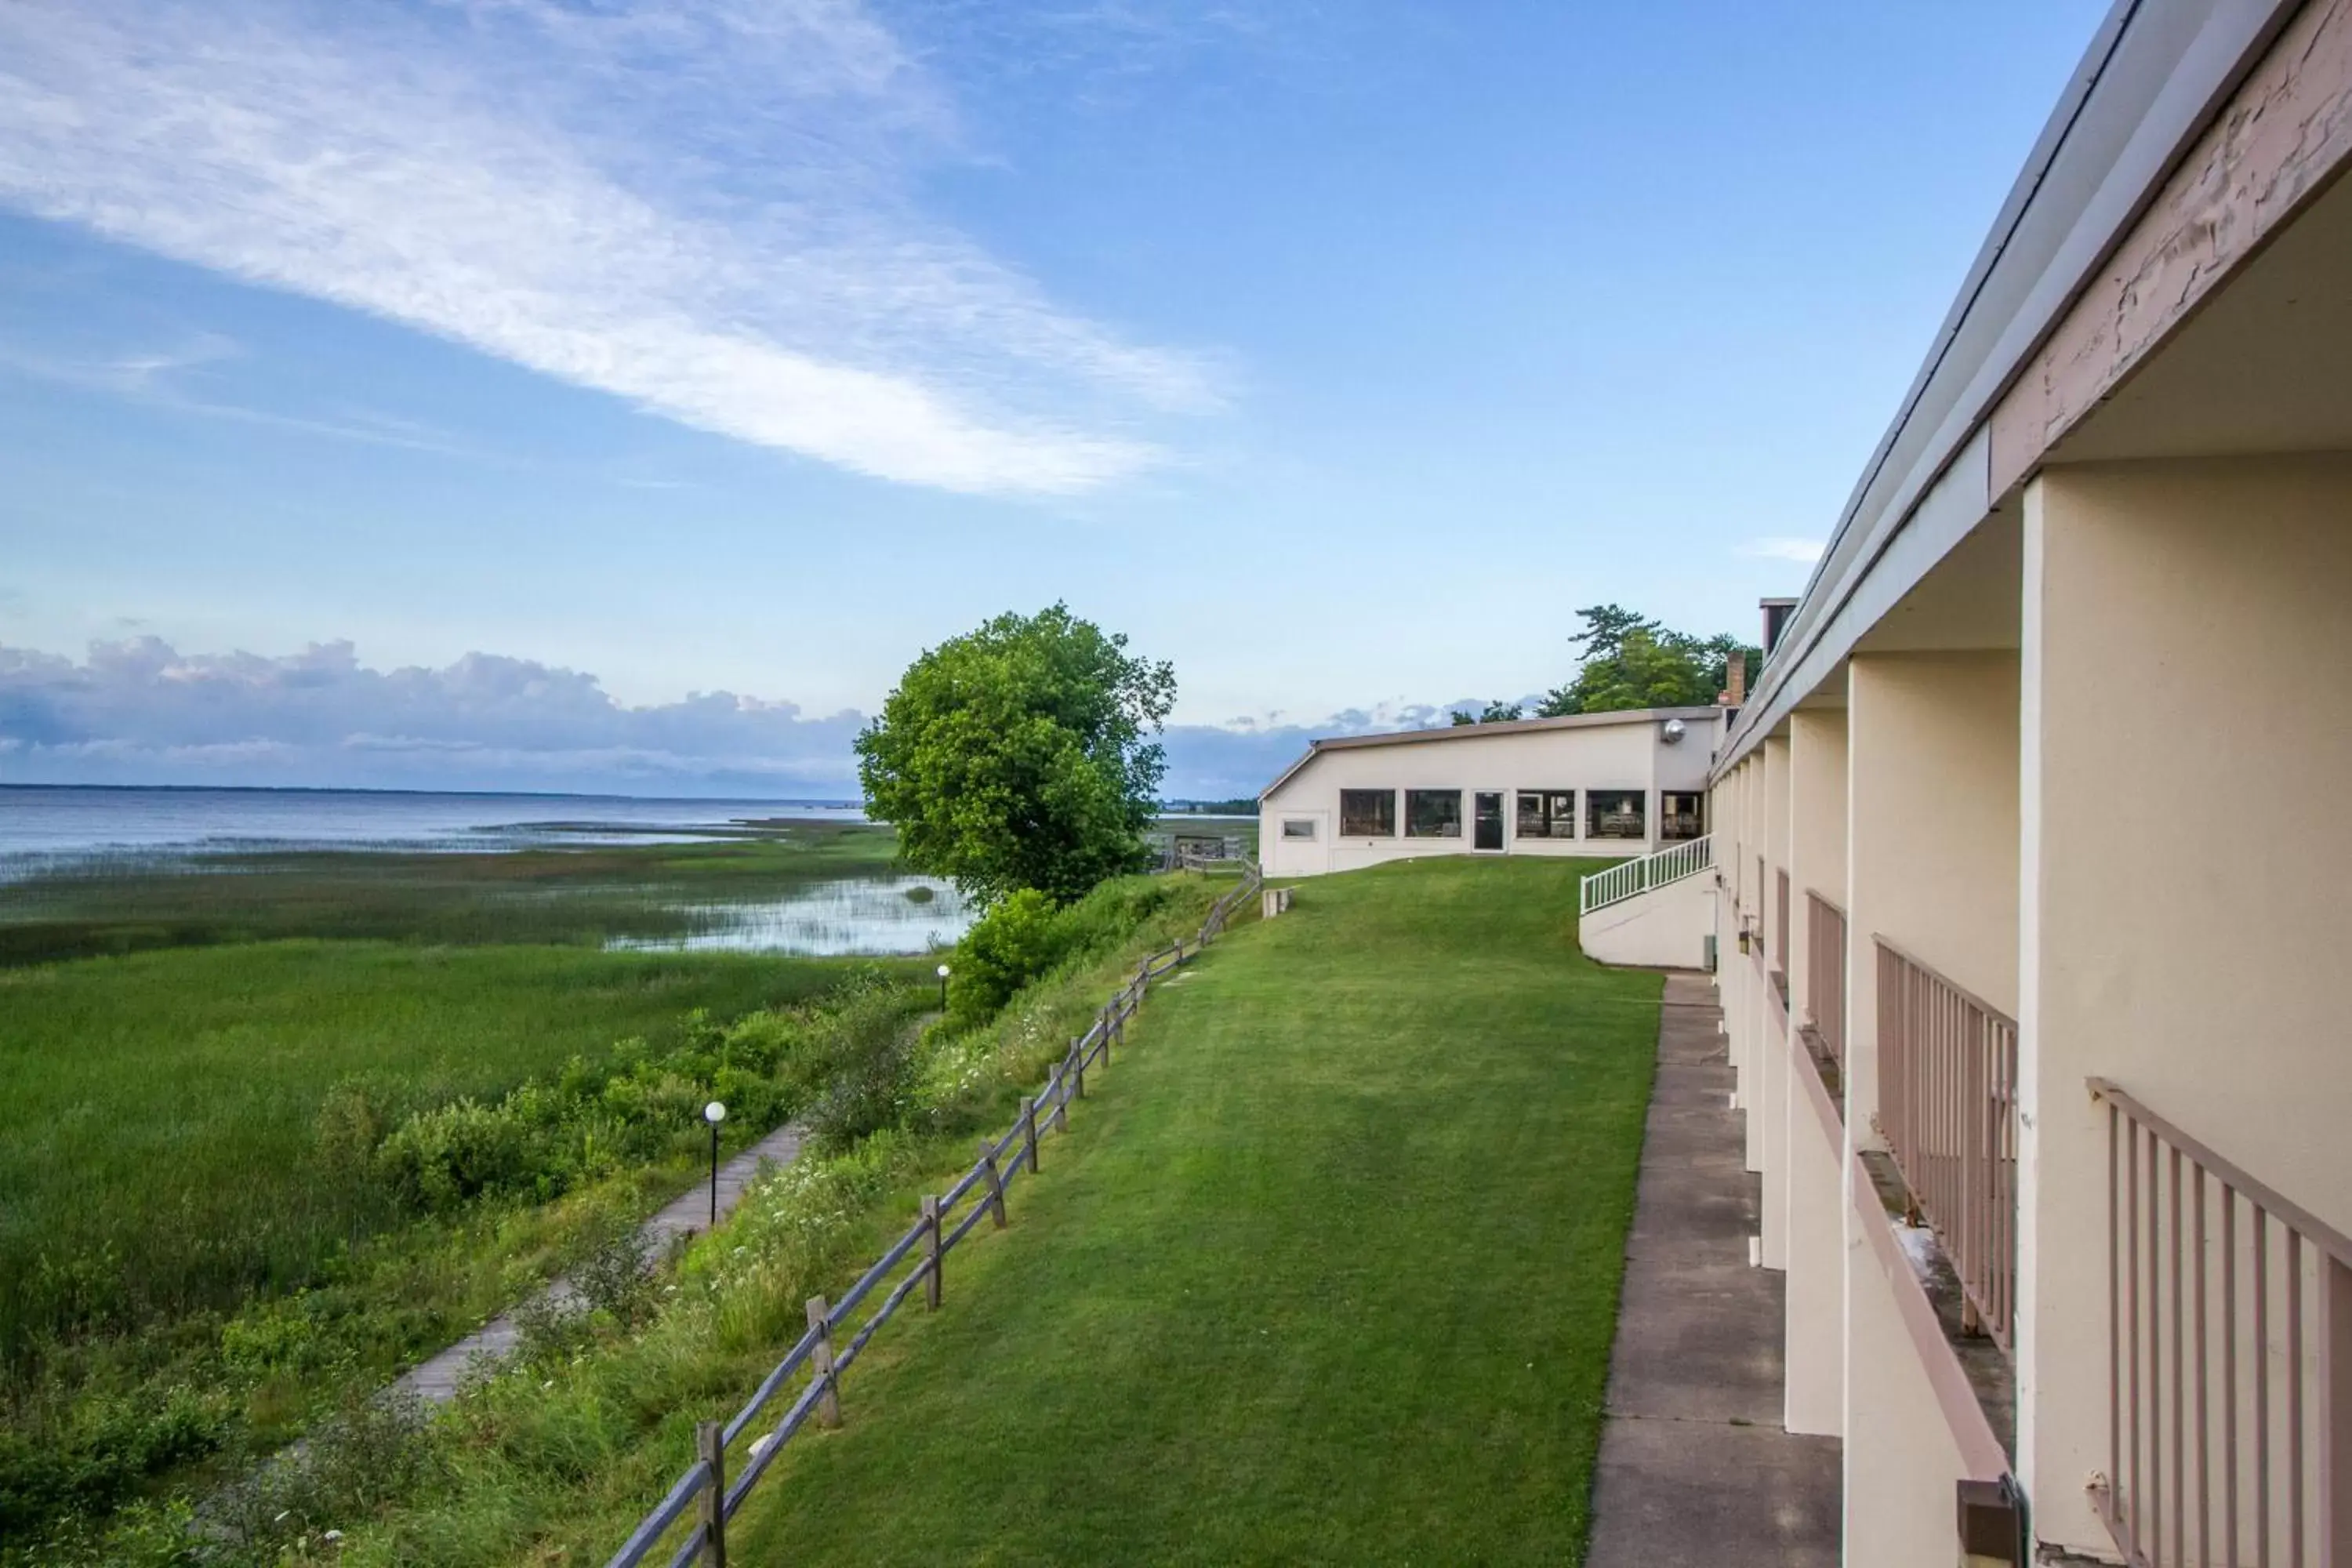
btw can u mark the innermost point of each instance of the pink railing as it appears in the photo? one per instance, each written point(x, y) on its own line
point(1947, 1107)
point(2228, 1360)
point(1826, 974)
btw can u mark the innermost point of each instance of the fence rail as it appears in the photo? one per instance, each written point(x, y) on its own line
point(1948, 1107)
point(1825, 974)
point(706, 1487)
point(1644, 872)
point(2228, 1359)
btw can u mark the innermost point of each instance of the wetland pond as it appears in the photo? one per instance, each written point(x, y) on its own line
point(867, 916)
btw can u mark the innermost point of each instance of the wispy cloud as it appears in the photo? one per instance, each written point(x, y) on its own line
point(1803, 552)
point(704, 209)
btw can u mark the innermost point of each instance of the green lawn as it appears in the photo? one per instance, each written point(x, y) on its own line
point(1328, 1270)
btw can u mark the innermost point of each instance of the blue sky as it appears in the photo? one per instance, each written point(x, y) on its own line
point(447, 392)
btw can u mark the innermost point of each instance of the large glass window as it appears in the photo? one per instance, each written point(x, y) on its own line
point(1615, 814)
point(1547, 814)
point(1433, 814)
point(1367, 814)
point(1681, 814)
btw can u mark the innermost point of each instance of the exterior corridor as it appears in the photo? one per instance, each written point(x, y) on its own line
point(1695, 1470)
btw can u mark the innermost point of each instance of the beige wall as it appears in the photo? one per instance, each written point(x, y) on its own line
point(1932, 826)
point(1814, 1326)
point(1664, 928)
point(2185, 631)
point(1630, 756)
point(1817, 765)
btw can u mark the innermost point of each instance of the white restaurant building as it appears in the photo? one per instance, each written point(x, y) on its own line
point(2033, 846)
point(1594, 784)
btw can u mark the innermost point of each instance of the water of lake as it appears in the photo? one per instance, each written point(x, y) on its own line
point(40, 822)
point(873, 916)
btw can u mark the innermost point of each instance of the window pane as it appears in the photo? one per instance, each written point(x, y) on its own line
point(1433, 814)
point(1681, 814)
point(1615, 814)
point(1298, 827)
point(1367, 814)
point(1548, 814)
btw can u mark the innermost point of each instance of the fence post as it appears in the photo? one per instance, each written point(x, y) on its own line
point(711, 1445)
point(1102, 1021)
point(939, 1254)
point(1078, 1066)
point(828, 1407)
point(1029, 1133)
point(995, 1199)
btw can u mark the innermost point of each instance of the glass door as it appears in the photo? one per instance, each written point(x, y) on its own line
point(1489, 820)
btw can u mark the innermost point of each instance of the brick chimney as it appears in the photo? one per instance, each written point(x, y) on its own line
point(1735, 680)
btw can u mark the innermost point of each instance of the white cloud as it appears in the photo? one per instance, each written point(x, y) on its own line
point(1803, 552)
point(141, 711)
point(701, 208)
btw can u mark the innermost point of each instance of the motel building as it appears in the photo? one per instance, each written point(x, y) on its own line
point(1592, 784)
point(2031, 850)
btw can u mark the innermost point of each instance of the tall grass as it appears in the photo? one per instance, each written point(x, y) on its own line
point(158, 1142)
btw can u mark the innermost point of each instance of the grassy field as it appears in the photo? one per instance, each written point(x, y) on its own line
point(582, 895)
point(1328, 1272)
point(157, 1111)
point(170, 1055)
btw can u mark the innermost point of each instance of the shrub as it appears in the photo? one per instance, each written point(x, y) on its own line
point(440, 1158)
point(1020, 937)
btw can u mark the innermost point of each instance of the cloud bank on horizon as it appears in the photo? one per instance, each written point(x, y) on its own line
point(141, 712)
point(706, 210)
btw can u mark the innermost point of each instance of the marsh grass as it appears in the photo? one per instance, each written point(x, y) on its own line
point(587, 895)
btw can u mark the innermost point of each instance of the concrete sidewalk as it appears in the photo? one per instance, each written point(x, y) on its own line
point(436, 1381)
point(1695, 1469)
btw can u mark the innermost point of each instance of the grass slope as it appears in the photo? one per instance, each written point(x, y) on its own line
point(1328, 1272)
point(156, 1112)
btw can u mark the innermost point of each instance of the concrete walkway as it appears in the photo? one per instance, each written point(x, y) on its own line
point(1695, 1469)
point(436, 1381)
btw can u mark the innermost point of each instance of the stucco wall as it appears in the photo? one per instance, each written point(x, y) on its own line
point(2184, 627)
point(1630, 756)
point(1665, 928)
point(1932, 821)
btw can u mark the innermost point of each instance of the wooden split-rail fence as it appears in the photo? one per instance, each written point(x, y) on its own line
point(712, 1495)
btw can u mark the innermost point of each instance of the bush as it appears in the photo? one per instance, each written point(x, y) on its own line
point(438, 1159)
point(1017, 940)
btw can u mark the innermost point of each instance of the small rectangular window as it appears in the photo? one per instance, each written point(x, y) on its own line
point(1681, 814)
point(1298, 827)
point(1433, 814)
point(1547, 814)
point(1615, 814)
point(1367, 814)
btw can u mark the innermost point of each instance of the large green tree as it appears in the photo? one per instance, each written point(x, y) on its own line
point(1018, 756)
point(1631, 660)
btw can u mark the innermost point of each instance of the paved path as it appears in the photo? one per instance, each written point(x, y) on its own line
point(436, 1380)
point(1695, 1468)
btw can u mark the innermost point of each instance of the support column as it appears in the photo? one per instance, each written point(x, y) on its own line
point(2184, 893)
point(1931, 864)
point(1814, 1338)
point(1772, 1013)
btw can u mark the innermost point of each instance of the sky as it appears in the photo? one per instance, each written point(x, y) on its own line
point(619, 394)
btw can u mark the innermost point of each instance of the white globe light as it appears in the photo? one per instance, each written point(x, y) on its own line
point(943, 972)
point(714, 1113)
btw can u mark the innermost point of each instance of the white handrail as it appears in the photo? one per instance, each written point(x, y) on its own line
point(1628, 878)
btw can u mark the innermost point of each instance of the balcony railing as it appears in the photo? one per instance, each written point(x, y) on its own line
point(2228, 1360)
point(1947, 1107)
point(1826, 974)
point(1644, 872)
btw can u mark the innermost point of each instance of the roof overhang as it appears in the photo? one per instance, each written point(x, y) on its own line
point(2147, 88)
